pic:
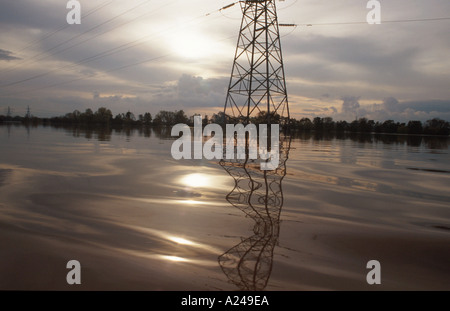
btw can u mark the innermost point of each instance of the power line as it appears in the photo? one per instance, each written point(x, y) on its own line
point(137, 42)
point(294, 26)
point(99, 25)
point(115, 50)
point(382, 22)
point(107, 31)
point(109, 52)
point(50, 34)
point(287, 7)
point(88, 39)
point(151, 59)
point(223, 8)
point(82, 34)
point(121, 48)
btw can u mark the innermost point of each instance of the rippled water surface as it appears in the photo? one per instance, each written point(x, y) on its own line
point(135, 218)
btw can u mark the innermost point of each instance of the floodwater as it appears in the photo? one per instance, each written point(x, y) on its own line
point(136, 219)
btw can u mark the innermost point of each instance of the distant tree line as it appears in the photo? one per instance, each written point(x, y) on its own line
point(434, 126)
point(104, 117)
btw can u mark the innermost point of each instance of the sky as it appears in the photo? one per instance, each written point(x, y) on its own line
point(151, 55)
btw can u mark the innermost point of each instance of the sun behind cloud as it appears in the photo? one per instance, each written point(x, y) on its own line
point(190, 44)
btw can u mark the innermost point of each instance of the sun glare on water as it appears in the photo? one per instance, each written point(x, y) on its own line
point(174, 258)
point(181, 241)
point(196, 180)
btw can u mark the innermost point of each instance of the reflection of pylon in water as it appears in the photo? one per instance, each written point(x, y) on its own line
point(257, 84)
point(259, 195)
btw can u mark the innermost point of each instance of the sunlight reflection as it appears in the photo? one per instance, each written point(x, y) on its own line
point(174, 258)
point(167, 201)
point(207, 179)
point(196, 180)
point(183, 241)
point(180, 240)
point(193, 202)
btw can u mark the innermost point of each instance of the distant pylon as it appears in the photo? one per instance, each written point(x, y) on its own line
point(257, 84)
point(28, 115)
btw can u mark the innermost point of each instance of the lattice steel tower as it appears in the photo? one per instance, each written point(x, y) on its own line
point(257, 85)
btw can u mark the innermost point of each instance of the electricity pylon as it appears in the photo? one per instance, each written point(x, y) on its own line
point(257, 85)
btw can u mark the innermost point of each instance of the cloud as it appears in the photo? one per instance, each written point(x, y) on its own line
point(33, 14)
point(350, 104)
point(391, 104)
point(7, 55)
point(426, 106)
point(371, 63)
point(193, 91)
point(392, 109)
point(322, 63)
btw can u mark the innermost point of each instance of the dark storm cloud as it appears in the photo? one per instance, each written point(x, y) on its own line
point(7, 55)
